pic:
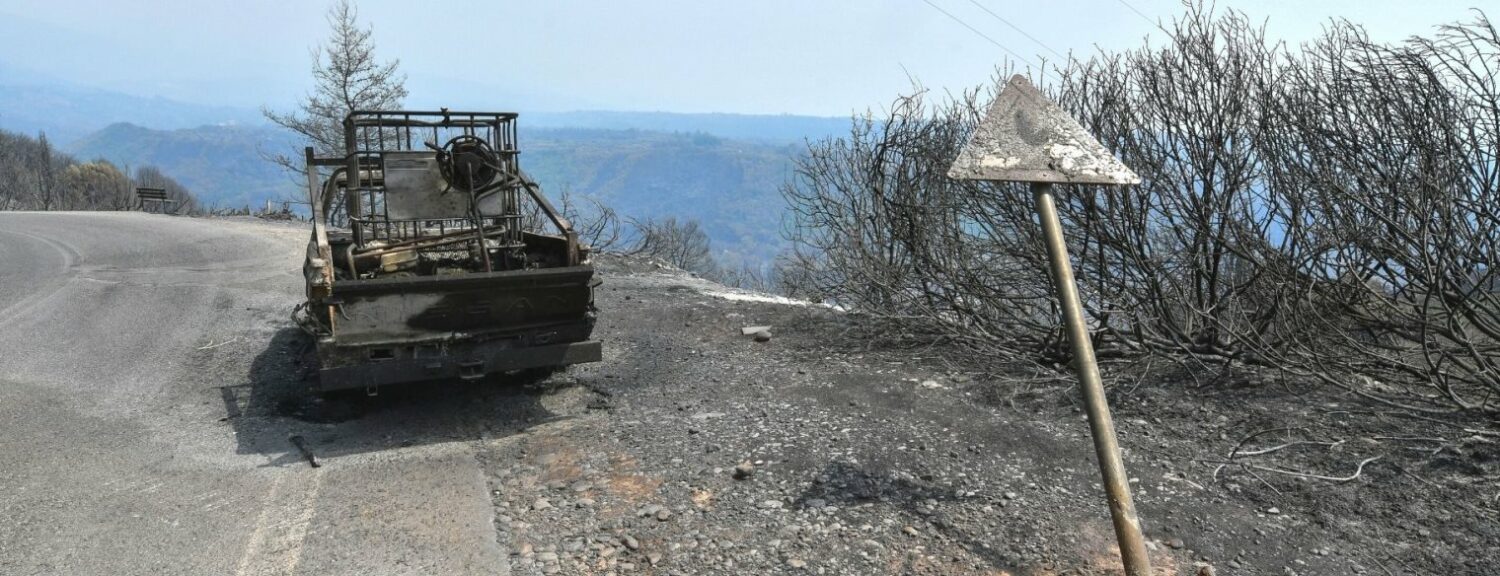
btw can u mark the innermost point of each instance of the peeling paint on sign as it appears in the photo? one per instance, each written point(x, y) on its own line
point(1027, 138)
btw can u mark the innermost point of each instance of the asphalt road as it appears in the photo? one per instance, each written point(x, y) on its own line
point(149, 383)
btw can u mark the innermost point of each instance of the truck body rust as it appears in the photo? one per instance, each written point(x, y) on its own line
point(434, 257)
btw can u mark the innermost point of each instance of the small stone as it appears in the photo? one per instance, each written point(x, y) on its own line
point(546, 557)
point(654, 558)
point(931, 384)
point(796, 563)
point(1010, 495)
point(1175, 543)
point(630, 542)
point(663, 515)
point(524, 550)
point(541, 504)
point(744, 470)
point(910, 531)
point(763, 336)
point(1273, 510)
point(584, 502)
point(771, 504)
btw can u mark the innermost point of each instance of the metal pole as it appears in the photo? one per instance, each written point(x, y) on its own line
point(1116, 485)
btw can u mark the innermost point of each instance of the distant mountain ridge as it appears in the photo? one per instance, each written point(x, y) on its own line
point(722, 169)
point(67, 113)
point(29, 103)
point(763, 127)
point(729, 185)
point(223, 165)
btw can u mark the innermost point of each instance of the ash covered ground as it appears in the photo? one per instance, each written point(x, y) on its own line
point(694, 449)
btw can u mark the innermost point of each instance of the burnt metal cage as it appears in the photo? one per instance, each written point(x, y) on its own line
point(416, 184)
point(395, 188)
point(401, 193)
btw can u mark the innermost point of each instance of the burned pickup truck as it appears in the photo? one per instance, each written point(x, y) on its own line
point(430, 256)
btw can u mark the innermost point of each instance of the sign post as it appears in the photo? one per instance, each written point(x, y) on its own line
point(1026, 138)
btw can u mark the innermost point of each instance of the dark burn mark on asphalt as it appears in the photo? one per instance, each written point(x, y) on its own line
point(278, 401)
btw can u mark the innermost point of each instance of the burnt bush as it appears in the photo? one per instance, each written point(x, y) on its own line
point(1326, 209)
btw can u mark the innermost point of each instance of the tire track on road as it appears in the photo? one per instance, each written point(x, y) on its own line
point(47, 289)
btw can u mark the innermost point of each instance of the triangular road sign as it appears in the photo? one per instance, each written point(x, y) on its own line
point(1027, 138)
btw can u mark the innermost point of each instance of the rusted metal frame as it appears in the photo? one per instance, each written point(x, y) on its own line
point(406, 117)
point(320, 230)
point(1106, 446)
point(393, 122)
point(558, 220)
point(351, 193)
point(484, 251)
point(349, 257)
point(501, 115)
point(380, 144)
point(500, 131)
point(556, 276)
point(423, 243)
point(320, 257)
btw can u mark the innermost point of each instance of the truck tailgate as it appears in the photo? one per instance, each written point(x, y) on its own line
point(493, 304)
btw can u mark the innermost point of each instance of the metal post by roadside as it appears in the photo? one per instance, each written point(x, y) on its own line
point(1106, 448)
point(1026, 138)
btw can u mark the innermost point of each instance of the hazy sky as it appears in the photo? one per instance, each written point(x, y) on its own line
point(816, 57)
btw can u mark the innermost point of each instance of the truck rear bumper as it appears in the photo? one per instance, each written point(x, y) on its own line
point(471, 363)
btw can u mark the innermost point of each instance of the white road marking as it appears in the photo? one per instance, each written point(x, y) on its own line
point(275, 547)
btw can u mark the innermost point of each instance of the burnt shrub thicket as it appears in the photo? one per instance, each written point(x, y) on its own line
point(1328, 210)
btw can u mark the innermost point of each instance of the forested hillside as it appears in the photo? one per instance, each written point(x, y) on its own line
point(225, 165)
point(730, 186)
point(36, 176)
